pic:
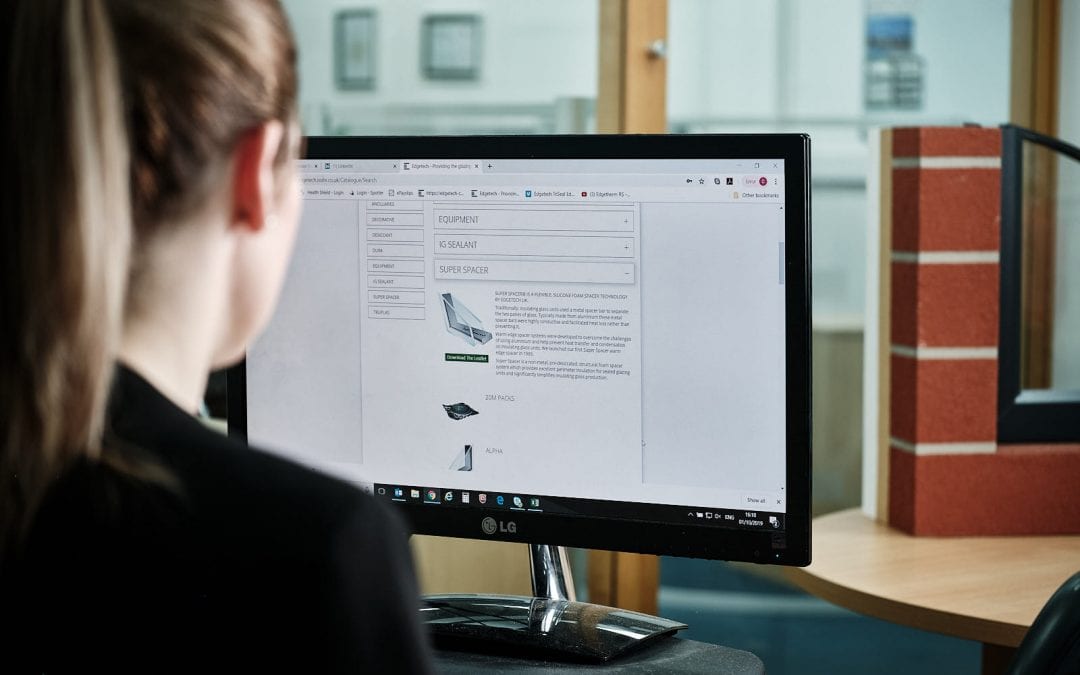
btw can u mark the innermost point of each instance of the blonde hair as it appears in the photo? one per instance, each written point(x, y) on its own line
point(67, 229)
point(120, 116)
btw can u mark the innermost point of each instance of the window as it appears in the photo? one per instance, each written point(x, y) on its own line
point(1039, 365)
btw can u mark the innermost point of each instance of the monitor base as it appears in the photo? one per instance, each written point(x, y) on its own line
point(554, 628)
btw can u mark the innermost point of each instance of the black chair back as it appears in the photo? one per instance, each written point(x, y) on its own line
point(1052, 644)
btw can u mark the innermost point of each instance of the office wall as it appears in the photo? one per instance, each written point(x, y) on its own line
point(728, 58)
point(723, 59)
point(731, 58)
point(758, 64)
point(533, 52)
point(798, 66)
point(966, 47)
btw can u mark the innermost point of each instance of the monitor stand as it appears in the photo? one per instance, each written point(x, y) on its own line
point(551, 624)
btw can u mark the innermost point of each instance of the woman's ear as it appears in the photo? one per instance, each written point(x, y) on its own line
point(253, 179)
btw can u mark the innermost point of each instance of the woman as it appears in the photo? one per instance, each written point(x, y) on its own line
point(149, 222)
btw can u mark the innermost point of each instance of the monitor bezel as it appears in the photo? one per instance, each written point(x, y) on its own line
point(792, 546)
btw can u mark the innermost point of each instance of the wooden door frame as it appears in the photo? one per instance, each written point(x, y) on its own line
point(1033, 103)
point(631, 99)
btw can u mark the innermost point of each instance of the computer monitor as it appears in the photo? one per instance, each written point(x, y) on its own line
point(591, 341)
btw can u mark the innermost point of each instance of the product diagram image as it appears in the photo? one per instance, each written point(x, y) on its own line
point(463, 460)
point(459, 411)
point(463, 323)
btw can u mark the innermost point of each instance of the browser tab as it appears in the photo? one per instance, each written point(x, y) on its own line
point(441, 167)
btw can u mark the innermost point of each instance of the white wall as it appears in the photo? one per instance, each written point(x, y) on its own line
point(966, 47)
point(533, 52)
point(732, 58)
point(728, 58)
point(824, 44)
point(722, 58)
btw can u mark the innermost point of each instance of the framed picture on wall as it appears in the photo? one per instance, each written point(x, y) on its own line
point(450, 49)
point(354, 49)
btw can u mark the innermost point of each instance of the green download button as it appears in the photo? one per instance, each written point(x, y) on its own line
point(468, 358)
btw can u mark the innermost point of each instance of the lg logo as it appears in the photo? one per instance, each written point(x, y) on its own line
point(490, 526)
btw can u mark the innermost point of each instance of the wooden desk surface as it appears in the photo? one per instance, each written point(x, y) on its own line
point(988, 589)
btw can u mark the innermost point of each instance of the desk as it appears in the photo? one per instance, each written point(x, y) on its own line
point(988, 589)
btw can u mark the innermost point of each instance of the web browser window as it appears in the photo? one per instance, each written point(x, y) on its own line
point(550, 333)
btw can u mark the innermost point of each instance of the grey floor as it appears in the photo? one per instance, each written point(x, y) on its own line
point(795, 633)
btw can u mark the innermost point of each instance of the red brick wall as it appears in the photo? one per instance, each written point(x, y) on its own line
point(947, 475)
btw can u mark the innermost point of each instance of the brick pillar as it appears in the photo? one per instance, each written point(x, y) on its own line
point(947, 474)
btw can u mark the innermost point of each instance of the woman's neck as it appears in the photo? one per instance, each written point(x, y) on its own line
point(172, 362)
point(173, 324)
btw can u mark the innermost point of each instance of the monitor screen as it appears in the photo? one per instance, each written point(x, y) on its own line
point(586, 341)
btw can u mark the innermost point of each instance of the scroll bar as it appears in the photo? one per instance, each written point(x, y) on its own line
point(781, 246)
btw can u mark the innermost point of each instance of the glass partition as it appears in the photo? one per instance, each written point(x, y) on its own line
point(1039, 354)
point(1050, 311)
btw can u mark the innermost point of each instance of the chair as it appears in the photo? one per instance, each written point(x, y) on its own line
point(1052, 644)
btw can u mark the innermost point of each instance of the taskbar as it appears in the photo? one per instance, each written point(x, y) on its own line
point(456, 498)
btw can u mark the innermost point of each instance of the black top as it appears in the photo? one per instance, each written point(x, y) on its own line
point(246, 561)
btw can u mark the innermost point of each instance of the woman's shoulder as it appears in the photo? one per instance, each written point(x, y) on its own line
point(203, 538)
point(220, 479)
point(259, 489)
point(209, 499)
